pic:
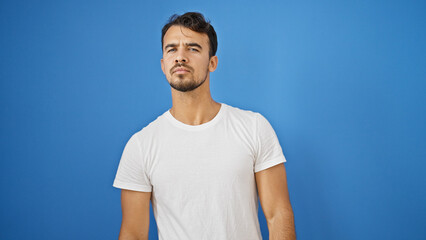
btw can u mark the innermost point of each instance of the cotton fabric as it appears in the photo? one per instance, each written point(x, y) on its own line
point(202, 176)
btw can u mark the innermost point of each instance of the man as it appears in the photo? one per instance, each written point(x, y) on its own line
point(205, 163)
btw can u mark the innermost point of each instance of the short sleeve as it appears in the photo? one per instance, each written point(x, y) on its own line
point(268, 149)
point(131, 173)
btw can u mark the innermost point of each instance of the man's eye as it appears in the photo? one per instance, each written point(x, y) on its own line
point(171, 50)
point(194, 49)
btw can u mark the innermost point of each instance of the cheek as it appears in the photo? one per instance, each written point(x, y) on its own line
point(167, 64)
point(202, 63)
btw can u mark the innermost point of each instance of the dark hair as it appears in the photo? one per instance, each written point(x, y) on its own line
point(196, 22)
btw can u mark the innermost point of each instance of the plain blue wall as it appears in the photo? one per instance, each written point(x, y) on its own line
point(342, 82)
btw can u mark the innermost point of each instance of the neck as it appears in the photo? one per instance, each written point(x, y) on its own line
point(195, 107)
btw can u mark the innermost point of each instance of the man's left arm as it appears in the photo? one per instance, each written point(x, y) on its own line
point(275, 200)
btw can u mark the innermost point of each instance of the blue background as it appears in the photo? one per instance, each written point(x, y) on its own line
point(342, 83)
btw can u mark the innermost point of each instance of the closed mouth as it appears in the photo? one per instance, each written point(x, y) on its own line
point(180, 70)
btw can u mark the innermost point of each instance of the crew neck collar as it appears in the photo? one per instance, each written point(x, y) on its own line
point(205, 125)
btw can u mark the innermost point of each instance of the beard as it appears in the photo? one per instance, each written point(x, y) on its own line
point(185, 86)
point(182, 86)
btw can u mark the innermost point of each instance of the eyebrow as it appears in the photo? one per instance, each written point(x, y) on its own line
point(187, 44)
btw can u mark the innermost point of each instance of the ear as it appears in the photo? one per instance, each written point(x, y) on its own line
point(162, 66)
point(213, 63)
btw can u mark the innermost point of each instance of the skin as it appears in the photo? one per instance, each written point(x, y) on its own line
point(275, 200)
point(135, 211)
point(193, 105)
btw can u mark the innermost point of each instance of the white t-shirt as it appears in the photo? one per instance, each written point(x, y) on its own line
point(202, 177)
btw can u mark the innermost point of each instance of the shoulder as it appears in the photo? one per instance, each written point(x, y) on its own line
point(151, 129)
point(238, 112)
point(252, 120)
point(243, 115)
point(249, 120)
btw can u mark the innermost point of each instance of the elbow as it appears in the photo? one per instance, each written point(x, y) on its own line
point(127, 235)
point(279, 215)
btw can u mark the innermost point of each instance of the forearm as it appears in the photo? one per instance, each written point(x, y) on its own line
point(281, 226)
point(126, 234)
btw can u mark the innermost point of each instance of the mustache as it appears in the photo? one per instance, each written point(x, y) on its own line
point(180, 65)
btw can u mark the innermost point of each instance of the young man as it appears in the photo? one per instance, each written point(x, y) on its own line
point(205, 163)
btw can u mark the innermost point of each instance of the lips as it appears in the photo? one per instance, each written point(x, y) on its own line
point(180, 70)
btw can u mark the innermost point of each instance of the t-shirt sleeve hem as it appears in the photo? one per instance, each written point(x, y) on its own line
point(133, 187)
point(269, 164)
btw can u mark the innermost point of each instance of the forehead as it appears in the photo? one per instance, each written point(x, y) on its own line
point(177, 34)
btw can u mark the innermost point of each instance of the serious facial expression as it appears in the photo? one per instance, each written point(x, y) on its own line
point(185, 61)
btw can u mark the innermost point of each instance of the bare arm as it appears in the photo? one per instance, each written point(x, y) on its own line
point(275, 201)
point(135, 208)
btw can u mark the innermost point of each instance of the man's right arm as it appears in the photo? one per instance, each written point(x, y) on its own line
point(135, 209)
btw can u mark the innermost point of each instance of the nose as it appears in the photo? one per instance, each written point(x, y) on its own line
point(180, 57)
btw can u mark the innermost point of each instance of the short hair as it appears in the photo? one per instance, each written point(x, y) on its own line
point(196, 22)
